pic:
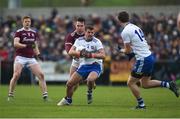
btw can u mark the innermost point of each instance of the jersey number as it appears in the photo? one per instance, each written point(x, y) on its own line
point(140, 34)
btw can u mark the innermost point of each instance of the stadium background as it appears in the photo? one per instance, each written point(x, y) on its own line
point(53, 19)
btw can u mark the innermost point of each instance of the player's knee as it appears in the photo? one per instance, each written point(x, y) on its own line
point(90, 81)
point(69, 84)
point(144, 85)
point(41, 76)
point(129, 83)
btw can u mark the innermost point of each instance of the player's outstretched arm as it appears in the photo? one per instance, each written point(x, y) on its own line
point(36, 48)
point(38, 56)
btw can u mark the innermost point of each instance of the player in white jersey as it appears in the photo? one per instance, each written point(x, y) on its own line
point(91, 52)
point(135, 44)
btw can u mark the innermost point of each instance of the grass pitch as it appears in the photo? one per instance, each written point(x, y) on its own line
point(109, 102)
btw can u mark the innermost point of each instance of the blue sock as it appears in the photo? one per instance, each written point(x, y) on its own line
point(140, 102)
point(165, 84)
point(68, 99)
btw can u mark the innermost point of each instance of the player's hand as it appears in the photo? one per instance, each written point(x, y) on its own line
point(119, 49)
point(39, 57)
point(129, 55)
point(32, 45)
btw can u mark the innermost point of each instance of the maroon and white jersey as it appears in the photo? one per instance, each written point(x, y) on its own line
point(70, 39)
point(26, 37)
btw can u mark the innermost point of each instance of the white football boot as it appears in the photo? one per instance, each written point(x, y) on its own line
point(63, 102)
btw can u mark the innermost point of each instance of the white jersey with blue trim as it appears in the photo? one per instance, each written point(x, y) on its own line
point(134, 35)
point(92, 46)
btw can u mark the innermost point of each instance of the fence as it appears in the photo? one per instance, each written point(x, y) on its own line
point(117, 72)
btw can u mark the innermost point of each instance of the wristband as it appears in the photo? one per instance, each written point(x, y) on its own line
point(93, 55)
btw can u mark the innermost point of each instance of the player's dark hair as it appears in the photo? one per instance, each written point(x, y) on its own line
point(89, 27)
point(123, 16)
point(26, 17)
point(80, 19)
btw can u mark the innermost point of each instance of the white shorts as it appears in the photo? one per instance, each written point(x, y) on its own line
point(25, 61)
point(75, 63)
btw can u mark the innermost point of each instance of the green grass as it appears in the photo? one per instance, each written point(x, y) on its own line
point(108, 102)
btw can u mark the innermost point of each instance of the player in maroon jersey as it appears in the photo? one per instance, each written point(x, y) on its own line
point(70, 39)
point(25, 43)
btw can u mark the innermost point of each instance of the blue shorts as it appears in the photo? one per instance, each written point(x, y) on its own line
point(84, 70)
point(143, 67)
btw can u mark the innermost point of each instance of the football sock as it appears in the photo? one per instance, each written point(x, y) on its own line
point(140, 102)
point(164, 84)
point(89, 92)
point(45, 95)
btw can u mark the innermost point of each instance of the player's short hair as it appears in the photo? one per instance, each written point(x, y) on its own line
point(26, 17)
point(89, 27)
point(81, 19)
point(123, 16)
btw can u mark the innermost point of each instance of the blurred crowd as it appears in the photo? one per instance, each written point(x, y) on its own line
point(160, 32)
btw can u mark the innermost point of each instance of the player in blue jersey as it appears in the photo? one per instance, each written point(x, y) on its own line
point(90, 52)
point(136, 45)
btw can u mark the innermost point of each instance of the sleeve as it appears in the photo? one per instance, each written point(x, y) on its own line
point(99, 45)
point(17, 34)
point(125, 36)
point(68, 43)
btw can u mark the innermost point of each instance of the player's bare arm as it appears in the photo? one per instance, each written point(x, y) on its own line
point(73, 52)
point(127, 48)
point(17, 44)
point(99, 55)
point(36, 49)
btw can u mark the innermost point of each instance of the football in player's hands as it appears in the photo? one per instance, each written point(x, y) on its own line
point(83, 53)
point(32, 45)
point(88, 54)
